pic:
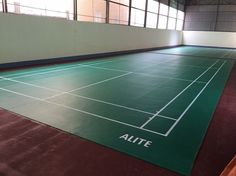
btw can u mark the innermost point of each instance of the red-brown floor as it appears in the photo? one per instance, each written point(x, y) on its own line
point(31, 149)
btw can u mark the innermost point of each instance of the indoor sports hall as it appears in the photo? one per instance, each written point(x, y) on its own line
point(117, 88)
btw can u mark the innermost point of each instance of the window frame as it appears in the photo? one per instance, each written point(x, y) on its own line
point(149, 16)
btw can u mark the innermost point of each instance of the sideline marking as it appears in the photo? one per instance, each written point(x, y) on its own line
point(85, 112)
point(158, 112)
point(180, 117)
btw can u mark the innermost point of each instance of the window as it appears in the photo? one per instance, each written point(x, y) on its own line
point(180, 15)
point(118, 13)
point(138, 12)
point(179, 25)
point(91, 10)
point(171, 23)
point(172, 12)
point(180, 20)
point(1, 9)
point(153, 6)
point(137, 17)
point(139, 4)
point(152, 14)
point(172, 18)
point(151, 20)
point(164, 9)
point(162, 22)
point(162, 14)
point(63, 8)
point(125, 2)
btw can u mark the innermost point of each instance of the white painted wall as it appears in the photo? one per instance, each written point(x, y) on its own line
point(216, 39)
point(24, 38)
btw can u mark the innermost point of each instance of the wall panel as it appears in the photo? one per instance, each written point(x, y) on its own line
point(25, 38)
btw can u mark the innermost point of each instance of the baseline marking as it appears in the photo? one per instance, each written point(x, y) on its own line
point(180, 117)
point(158, 112)
point(85, 112)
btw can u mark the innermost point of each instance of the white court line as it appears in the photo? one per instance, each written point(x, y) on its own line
point(29, 84)
point(105, 102)
point(85, 112)
point(92, 99)
point(23, 75)
point(104, 68)
point(167, 77)
point(158, 112)
point(146, 74)
point(165, 117)
point(180, 117)
point(51, 70)
point(96, 83)
point(63, 68)
point(188, 66)
point(224, 55)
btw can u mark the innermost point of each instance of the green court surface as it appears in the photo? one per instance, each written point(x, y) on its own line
point(155, 106)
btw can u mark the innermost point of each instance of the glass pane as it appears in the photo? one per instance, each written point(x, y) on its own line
point(180, 15)
point(153, 6)
point(151, 20)
point(92, 10)
point(118, 14)
point(124, 15)
point(85, 10)
point(163, 9)
point(137, 17)
point(162, 22)
point(26, 7)
point(172, 12)
point(171, 23)
point(139, 4)
point(1, 6)
point(99, 11)
point(63, 8)
point(179, 25)
point(126, 2)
